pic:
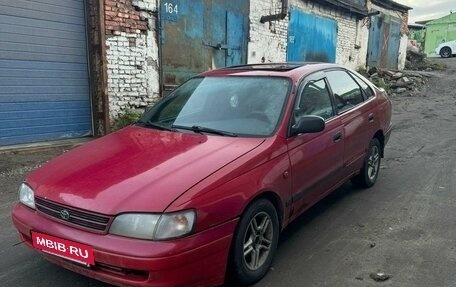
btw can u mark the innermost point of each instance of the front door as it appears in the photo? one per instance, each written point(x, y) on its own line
point(316, 159)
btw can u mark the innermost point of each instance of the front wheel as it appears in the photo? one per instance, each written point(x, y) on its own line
point(254, 242)
point(371, 167)
point(445, 52)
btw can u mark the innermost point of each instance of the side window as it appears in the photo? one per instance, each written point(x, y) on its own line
point(367, 90)
point(347, 93)
point(314, 100)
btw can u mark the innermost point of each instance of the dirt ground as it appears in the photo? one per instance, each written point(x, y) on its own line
point(405, 226)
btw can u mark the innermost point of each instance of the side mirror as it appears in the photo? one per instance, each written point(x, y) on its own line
point(308, 125)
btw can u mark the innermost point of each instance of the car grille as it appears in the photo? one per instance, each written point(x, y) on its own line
point(78, 217)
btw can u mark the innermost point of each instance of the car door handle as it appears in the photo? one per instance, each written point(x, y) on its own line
point(337, 137)
point(370, 118)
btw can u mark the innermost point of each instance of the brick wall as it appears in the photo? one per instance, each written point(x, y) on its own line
point(352, 35)
point(132, 45)
point(268, 41)
point(132, 54)
point(122, 16)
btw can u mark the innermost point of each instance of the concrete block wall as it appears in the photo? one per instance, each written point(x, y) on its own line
point(132, 54)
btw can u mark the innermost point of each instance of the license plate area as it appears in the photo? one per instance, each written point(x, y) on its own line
point(70, 250)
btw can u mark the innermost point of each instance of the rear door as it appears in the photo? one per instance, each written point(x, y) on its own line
point(316, 159)
point(357, 116)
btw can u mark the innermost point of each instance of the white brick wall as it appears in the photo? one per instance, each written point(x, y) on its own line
point(268, 41)
point(127, 85)
point(133, 70)
point(403, 52)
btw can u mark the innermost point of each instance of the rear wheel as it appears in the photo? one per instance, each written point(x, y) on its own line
point(445, 52)
point(371, 167)
point(254, 242)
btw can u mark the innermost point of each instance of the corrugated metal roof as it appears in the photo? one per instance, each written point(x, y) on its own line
point(357, 7)
point(389, 4)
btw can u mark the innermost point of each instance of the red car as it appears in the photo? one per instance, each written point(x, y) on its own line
point(203, 184)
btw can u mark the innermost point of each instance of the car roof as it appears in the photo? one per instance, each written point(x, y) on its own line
point(294, 70)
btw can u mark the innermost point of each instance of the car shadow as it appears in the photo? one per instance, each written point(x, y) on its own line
point(315, 211)
point(308, 216)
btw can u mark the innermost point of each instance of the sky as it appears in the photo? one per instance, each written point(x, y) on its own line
point(428, 9)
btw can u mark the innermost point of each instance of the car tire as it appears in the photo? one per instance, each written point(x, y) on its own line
point(445, 52)
point(254, 243)
point(371, 166)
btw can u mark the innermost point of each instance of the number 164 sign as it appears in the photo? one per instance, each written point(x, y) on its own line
point(171, 8)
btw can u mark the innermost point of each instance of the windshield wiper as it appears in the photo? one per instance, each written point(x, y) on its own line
point(200, 129)
point(158, 126)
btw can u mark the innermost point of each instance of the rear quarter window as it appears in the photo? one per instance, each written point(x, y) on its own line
point(364, 86)
point(347, 93)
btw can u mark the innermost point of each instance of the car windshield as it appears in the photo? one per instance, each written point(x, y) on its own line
point(225, 105)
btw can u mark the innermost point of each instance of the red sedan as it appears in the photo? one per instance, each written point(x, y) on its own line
point(201, 187)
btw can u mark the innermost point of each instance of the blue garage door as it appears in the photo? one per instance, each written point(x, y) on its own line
point(200, 35)
point(384, 42)
point(44, 80)
point(311, 38)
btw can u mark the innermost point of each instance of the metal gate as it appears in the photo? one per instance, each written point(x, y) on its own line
point(44, 80)
point(311, 37)
point(200, 35)
point(384, 42)
point(394, 44)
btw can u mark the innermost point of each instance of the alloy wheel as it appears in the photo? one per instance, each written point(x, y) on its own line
point(373, 163)
point(258, 241)
point(446, 52)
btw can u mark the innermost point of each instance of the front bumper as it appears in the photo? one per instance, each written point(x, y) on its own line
point(198, 260)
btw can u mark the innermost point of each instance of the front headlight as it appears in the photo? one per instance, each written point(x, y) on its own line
point(135, 225)
point(172, 225)
point(26, 195)
point(153, 226)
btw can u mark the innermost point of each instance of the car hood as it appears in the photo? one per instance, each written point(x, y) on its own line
point(135, 170)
